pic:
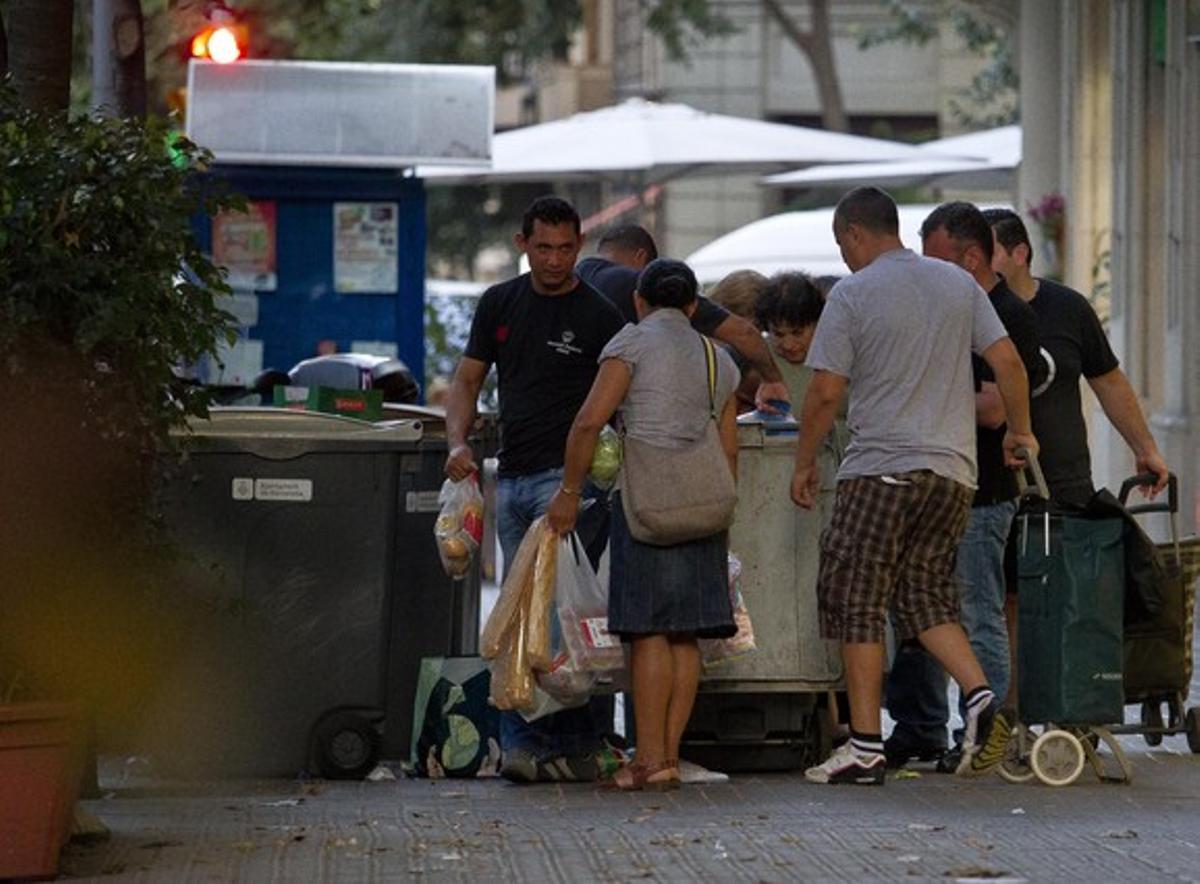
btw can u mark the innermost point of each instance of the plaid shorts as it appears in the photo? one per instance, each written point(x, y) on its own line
point(891, 546)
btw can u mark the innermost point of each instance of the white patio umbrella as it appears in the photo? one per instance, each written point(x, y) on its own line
point(977, 161)
point(666, 140)
point(791, 241)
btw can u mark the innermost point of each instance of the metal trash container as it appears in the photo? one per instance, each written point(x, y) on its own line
point(310, 538)
point(767, 710)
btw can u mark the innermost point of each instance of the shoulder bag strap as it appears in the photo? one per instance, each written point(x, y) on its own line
point(710, 364)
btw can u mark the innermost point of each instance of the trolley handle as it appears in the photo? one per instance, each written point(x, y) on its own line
point(1148, 480)
point(1037, 489)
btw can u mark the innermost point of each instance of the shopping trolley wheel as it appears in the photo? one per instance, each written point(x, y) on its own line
point(1057, 758)
point(1192, 720)
point(1152, 718)
point(346, 745)
point(1015, 767)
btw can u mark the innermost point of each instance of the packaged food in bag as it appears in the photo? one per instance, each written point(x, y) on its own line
point(606, 459)
point(718, 650)
point(459, 526)
point(512, 678)
point(583, 611)
point(518, 579)
point(541, 600)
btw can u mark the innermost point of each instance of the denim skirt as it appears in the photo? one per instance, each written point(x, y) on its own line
point(667, 590)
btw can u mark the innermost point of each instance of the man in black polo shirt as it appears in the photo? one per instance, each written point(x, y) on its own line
point(957, 232)
point(622, 253)
point(544, 331)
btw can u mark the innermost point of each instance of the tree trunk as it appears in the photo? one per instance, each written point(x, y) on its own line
point(39, 51)
point(817, 46)
point(118, 58)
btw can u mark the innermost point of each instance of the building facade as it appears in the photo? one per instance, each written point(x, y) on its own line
point(1110, 104)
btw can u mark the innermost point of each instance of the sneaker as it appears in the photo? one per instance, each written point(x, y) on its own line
point(519, 766)
point(847, 766)
point(899, 750)
point(986, 740)
point(950, 761)
point(569, 769)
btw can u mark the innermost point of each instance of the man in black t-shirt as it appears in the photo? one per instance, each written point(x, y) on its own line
point(544, 332)
point(621, 255)
point(1075, 346)
point(916, 693)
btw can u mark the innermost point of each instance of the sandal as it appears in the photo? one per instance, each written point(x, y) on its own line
point(635, 777)
point(672, 764)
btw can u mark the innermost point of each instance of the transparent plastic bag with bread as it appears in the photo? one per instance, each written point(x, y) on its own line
point(459, 526)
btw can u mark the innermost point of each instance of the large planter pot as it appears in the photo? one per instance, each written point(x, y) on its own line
point(41, 761)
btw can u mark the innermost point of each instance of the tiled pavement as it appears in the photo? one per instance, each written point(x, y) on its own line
point(754, 828)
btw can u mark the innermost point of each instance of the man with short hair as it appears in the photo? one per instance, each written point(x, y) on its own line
point(1074, 341)
point(898, 333)
point(957, 232)
point(544, 331)
point(622, 253)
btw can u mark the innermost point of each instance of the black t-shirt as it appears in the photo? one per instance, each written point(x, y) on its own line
point(618, 283)
point(1070, 333)
point(996, 481)
point(545, 349)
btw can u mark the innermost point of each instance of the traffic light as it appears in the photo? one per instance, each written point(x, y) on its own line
point(222, 43)
point(223, 37)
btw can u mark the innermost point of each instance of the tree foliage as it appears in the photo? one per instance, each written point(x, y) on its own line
point(100, 264)
point(988, 30)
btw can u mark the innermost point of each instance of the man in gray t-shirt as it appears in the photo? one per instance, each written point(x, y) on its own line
point(898, 334)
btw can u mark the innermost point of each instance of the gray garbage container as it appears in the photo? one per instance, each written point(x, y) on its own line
point(310, 539)
point(767, 710)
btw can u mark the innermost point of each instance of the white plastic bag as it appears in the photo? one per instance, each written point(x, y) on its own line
point(459, 526)
point(583, 611)
point(718, 650)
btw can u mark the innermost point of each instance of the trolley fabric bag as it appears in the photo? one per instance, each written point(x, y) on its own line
point(1158, 642)
point(1070, 627)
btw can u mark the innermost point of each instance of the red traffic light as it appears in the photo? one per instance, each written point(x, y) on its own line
point(223, 44)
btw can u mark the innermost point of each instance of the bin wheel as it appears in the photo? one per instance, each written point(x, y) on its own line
point(1192, 720)
point(1152, 718)
point(346, 746)
point(1057, 758)
point(1015, 767)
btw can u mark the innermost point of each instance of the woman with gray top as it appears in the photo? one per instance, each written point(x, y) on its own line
point(661, 598)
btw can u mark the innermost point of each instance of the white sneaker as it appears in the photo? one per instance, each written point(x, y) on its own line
point(846, 765)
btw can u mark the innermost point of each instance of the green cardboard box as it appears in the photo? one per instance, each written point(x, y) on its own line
point(365, 405)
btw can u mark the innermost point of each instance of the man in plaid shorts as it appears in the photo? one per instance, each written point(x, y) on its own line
point(899, 333)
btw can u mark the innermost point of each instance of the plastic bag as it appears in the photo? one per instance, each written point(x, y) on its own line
point(606, 459)
point(459, 526)
point(718, 650)
point(583, 611)
point(518, 579)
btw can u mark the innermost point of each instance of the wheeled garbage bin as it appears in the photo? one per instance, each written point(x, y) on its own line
point(768, 710)
point(308, 540)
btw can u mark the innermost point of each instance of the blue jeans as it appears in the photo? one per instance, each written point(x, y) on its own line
point(916, 689)
point(519, 501)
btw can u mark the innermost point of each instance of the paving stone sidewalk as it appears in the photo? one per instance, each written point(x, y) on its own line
point(754, 828)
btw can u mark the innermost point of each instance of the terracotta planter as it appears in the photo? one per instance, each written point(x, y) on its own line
point(41, 757)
